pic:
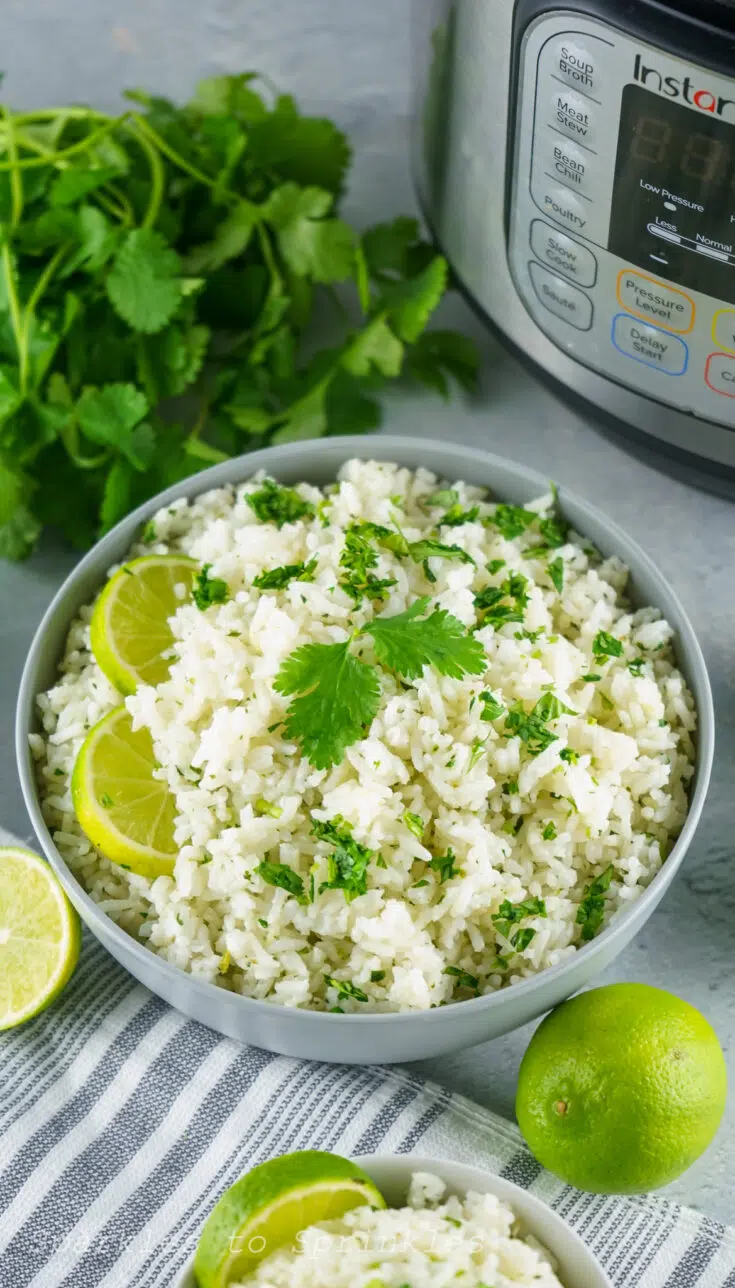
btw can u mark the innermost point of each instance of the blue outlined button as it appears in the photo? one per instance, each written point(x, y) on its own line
point(650, 345)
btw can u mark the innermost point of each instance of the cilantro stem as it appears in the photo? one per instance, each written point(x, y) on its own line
point(204, 451)
point(175, 157)
point(155, 165)
point(14, 308)
point(16, 181)
point(33, 163)
point(30, 310)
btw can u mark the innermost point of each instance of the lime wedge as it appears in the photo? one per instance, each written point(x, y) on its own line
point(127, 814)
point(268, 1207)
point(130, 628)
point(39, 936)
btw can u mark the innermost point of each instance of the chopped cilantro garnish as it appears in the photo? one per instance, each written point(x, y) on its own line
point(455, 516)
point(209, 590)
point(606, 702)
point(148, 535)
point(346, 990)
point(590, 678)
point(530, 727)
point(636, 665)
point(463, 978)
point(494, 566)
point(549, 833)
point(106, 800)
point(446, 496)
point(605, 645)
point(549, 707)
point(556, 573)
point(430, 549)
point(281, 875)
point(444, 865)
point(478, 747)
point(512, 520)
point(511, 787)
point(376, 976)
point(348, 864)
point(591, 911)
point(277, 578)
point(510, 914)
point(358, 557)
point(491, 708)
point(571, 757)
point(414, 823)
point(554, 531)
point(275, 504)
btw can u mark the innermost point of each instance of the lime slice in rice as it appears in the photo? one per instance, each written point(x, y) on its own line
point(130, 629)
point(39, 936)
point(268, 1207)
point(127, 814)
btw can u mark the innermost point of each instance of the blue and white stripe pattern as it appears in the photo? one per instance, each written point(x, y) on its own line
point(121, 1123)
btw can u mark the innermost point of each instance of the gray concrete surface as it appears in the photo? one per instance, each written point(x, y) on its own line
point(352, 61)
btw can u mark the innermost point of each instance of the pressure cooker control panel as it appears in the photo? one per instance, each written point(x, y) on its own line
point(622, 224)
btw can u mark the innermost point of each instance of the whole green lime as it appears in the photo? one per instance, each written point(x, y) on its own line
point(621, 1089)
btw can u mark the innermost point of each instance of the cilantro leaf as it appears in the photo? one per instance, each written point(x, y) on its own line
point(492, 709)
point(556, 573)
point(311, 244)
point(508, 916)
point(554, 531)
point(411, 303)
point(512, 520)
point(349, 861)
point(357, 558)
point(408, 642)
point(591, 911)
point(76, 183)
point(144, 284)
point(277, 578)
point(111, 416)
point(375, 349)
point(549, 707)
point(437, 355)
point(455, 516)
point(414, 823)
point(430, 549)
point(605, 645)
point(336, 698)
point(275, 504)
point(207, 590)
point(346, 989)
point(229, 240)
point(463, 978)
point(444, 866)
point(282, 876)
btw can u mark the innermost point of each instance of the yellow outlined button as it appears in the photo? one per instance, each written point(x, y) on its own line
point(655, 302)
point(723, 330)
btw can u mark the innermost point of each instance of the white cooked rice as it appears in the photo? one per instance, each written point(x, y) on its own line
point(214, 722)
point(433, 1242)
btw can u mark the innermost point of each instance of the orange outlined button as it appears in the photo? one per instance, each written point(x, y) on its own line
point(723, 330)
point(655, 302)
point(720, 374)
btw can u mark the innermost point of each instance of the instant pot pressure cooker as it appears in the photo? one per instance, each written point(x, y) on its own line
point(577, 165)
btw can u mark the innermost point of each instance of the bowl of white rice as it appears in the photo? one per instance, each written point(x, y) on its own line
point(437, 747)
point(445, 1224)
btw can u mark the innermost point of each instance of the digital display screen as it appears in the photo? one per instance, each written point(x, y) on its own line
point(673, 210)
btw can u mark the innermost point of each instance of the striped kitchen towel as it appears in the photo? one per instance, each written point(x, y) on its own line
point(121, 1123)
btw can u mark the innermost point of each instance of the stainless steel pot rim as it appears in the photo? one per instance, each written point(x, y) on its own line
point(382, 447)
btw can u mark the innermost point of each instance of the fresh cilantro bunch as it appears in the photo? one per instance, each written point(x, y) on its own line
point(186, 250)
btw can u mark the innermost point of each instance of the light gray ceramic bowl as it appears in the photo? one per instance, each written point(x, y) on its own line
point(577, 1268)
point(364, 1039)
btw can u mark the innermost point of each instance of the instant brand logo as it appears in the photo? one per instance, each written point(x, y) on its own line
point(674, 87)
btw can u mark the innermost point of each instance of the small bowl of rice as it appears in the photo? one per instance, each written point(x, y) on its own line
point(445, 1224)
point(436, 736)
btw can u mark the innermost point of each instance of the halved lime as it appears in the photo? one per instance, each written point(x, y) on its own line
point(127, 814)
point(268, 1207)
point(130, 628)
point(39, 936)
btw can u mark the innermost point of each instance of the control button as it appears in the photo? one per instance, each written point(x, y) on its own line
point(720, 374)
point(650, 345)
point(573, 62)
point(655, 301)
point(560, 298)
point(723, 330)
point(573, 114)
point(567, 162)
point(564, 254)
point(563, 206)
